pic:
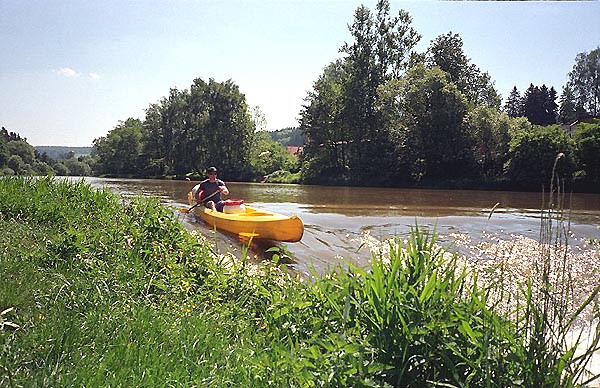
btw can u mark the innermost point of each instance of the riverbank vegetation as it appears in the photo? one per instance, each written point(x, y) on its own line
point(97, 290)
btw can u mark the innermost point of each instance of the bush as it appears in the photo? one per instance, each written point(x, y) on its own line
point(532, 153)
point(283, 176)
point(587, 139)
point(8, 171)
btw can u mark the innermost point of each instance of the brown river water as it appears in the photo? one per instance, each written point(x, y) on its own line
point(336, 218)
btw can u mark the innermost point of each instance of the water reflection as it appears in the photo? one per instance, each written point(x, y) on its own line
point(336, 218)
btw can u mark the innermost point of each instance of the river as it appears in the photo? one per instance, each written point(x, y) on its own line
point(337, 218)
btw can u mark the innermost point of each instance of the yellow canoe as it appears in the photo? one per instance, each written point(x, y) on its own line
point(255, 223)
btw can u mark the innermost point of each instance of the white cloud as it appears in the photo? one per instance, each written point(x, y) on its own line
point(66, 72)
point(94, 75)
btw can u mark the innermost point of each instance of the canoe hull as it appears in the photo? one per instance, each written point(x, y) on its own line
point(255, 223)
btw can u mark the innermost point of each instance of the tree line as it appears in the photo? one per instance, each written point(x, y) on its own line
point(18, 157)
point(384, 114)
point(207, 124)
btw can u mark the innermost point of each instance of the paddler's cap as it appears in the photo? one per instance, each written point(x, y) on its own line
point(211, 169)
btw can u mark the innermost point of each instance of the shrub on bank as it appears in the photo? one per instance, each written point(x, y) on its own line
point(283, 176)
point(101, 291)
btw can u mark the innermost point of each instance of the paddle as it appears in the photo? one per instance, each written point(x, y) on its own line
point(203, 200)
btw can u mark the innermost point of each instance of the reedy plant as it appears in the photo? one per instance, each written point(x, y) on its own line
point(547, 325)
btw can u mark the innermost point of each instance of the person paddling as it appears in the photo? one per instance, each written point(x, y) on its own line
point(209, 191)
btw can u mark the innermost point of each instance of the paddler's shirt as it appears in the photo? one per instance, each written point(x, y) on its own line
point(209, 188)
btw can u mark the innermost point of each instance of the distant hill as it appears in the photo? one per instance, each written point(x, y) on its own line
point(289, 137)
point(58, 152)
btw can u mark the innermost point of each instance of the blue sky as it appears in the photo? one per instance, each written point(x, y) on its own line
point(70, 70)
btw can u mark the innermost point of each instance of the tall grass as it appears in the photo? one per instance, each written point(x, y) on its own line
point(546, 321)
point(99, 292)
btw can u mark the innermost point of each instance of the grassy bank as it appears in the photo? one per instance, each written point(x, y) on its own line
point(96, 291)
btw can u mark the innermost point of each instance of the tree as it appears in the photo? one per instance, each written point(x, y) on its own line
point(533, 105)
point(395, 41)
point(539, 105)
point(10, 136)
point(532, 154)
point(587, 140)
point(61, 169)
point(220, 127)
point(4, 155)
point(210, 124)
point(77, 167)
point(489, 130)
point(424, 112)
point(380, 52)
point(267, 156)
point(21, 157)
point(154, 143)
point(23, 149)
point(550, 105)
point(117, 152)
point(568, 109)
point(514, 104)
point(446, 52)
point(325, 154)
point(15, 163)
point(584, 82)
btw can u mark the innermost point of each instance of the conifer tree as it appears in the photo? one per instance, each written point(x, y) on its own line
point(568, 109)
point(514, 104)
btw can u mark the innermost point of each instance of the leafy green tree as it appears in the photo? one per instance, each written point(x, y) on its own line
point(210, 124)
point(42, 168)
point(267, 156)
point(489, 131)
point(43, 157)
point(9, 136)
point(514, 104)
point(23, 149)
point(220, 127)
point(587, 140)
point(4, 155)
point(446, 52)
point(77, 167)
point(533, 105)
point(379, 52)
point(424, 112)
point(359, 91)
point(154, 143)
point(584, 82)
point(117, 152)
point(395, 40)
point(61, 169)
point(19, 157)
point(164, 146)
point(325, 154)
point(532, 154)
point(175, 131)
point(15, 163)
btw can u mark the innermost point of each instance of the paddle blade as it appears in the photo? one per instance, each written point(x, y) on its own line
point(243, 236)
